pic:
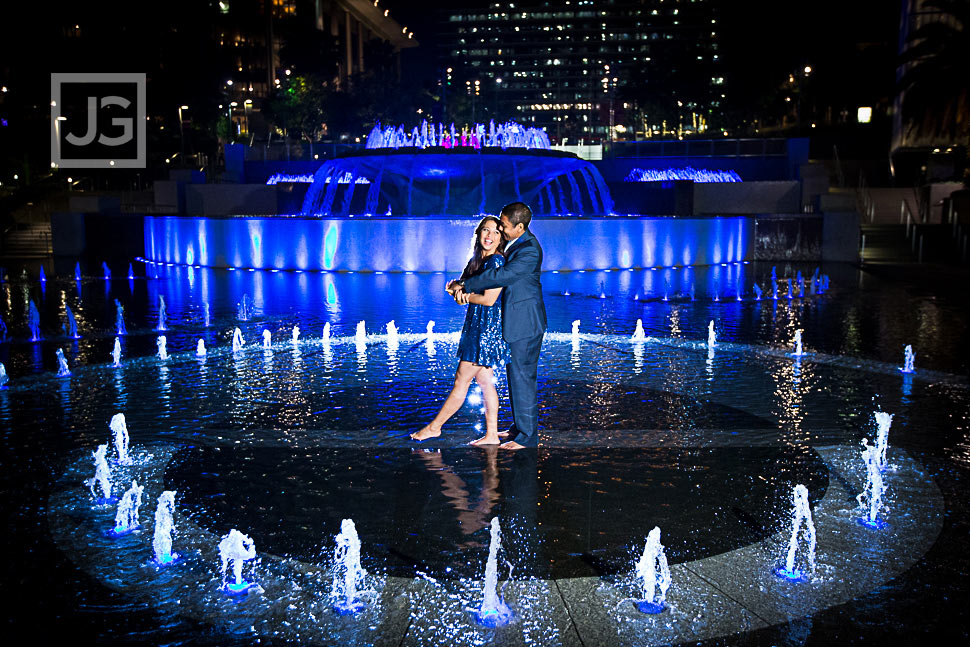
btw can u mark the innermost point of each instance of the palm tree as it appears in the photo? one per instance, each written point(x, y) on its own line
point(935, 85)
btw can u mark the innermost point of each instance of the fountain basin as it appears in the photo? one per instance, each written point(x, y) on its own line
point(440, 243)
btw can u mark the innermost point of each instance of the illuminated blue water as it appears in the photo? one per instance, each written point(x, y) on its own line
point(285, 443)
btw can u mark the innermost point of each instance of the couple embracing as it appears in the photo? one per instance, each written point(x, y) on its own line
point(505, 322)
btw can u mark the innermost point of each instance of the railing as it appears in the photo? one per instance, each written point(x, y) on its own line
point(702, 148)
point(958, 236)
point(840, 176)
point(864, 202)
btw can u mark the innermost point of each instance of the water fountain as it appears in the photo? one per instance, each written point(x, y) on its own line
point(161, 313)
point(883, 422)
point(803, 532)
point(107, 271)
point(236, 549)
point(711, 335)
point(693, 294)
point(3, 376)
point(70, 323)
point(3, 330)
point(119, 428)
point(789, 294)
point(774, 289)
point(267, 339)
point(638, 334)
point(348, 574)
point(360, 338)
point(160, 343)
point(164, 529)
point(205, 315)
point(62, 368)
point(244, 312)
point(131, 272)
point(237, 340)
point(102, 476)
point(116, 354)
point(654, 574)
point(77, 272)
point(757, 292)
point(200, 350)
point(120, 328)
point(493, 612)
point(464, 181)
point(42, 277)
point(392, 338)
point(798, 344)
point(908, 358)
point(33, 321)
point(126, 519)
point(575, 332)
point(296, 335)
point(870, 500)
point(326, 333)
point(429, 339)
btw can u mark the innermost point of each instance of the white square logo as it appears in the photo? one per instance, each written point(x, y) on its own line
point(98, 120)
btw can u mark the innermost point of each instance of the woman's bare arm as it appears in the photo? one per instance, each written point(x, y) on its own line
point(487, 299)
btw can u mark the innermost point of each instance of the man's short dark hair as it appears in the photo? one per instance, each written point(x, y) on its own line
point(518, 213)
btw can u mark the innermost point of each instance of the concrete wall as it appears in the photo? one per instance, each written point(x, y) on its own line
point(840, 236)
point(439, 244)
point(230, 199)
point(67, 234)
point(747, 198)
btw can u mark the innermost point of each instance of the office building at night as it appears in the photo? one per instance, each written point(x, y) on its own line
point(588, 69)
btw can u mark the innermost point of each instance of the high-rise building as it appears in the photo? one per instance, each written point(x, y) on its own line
point(586, 69)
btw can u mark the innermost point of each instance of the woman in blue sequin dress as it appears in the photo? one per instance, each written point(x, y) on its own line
point(481, 347)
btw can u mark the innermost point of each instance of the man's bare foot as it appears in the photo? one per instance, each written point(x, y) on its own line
point(487, 439)
point(511, 444)
point(426, 433)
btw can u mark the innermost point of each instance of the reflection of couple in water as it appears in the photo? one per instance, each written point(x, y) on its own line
point(505, 322)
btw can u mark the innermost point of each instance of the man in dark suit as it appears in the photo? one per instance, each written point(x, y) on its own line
point(523, 318)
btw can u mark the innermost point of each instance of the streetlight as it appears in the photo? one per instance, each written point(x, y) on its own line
point(182, 132)
point(246, 105)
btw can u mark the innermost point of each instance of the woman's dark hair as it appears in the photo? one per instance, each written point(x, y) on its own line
point(478, 256)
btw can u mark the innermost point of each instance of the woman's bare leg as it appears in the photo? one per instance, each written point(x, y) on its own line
point(486, 380)
point(463, 379)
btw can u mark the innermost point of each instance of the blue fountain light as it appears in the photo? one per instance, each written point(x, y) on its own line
point(651, 608)
point(683, 173)
point(793, 575)
point(875, 524)
point(493, 617)
point(509, 134)
point(235, 588)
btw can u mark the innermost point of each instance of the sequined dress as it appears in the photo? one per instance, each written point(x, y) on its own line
point(481, 337)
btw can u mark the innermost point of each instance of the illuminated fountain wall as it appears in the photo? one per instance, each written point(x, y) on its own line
point(439, 244)
point(412, 204)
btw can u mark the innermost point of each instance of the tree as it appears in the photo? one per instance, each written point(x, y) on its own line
point(936, 84)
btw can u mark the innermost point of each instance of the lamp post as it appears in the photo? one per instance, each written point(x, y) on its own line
point(246, 106)
point(182, 134)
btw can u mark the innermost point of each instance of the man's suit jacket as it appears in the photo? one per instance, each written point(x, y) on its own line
point(523, 311)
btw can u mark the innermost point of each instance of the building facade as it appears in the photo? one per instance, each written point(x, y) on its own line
point(592, 70)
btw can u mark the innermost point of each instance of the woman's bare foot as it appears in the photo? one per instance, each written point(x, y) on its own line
point(426, 433)
point(511, 444)
point(487, 439)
